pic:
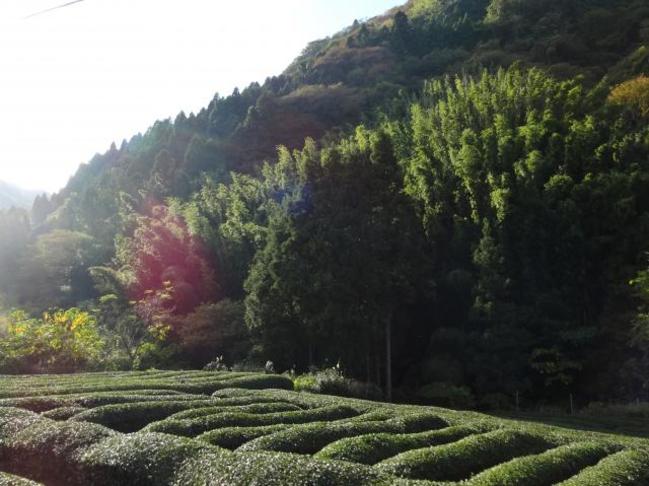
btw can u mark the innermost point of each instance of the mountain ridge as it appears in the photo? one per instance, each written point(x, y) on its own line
point(14, 196)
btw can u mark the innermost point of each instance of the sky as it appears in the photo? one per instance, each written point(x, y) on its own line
point(75, 79)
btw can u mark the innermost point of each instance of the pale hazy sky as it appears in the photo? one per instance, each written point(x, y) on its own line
point(75, 79)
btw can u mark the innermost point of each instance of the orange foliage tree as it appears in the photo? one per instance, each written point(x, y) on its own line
point(633, 93)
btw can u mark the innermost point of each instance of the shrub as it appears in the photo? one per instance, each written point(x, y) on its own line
point(218, 364)
point(625, 468)
point(197, 426)
point(332, 381)
point(634, 94)
point(306, 383)
point(373, 448)
point(233, 437)
point(457, 461)
point(632, 410)
point(61, 341)
point(446, 395)
point(548, 467)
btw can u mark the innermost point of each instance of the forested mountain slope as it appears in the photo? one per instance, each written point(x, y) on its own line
point(464, 219)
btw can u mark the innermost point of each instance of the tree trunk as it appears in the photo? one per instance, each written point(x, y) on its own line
point(388, 359)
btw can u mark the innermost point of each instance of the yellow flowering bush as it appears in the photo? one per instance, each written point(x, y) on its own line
point(61, 341)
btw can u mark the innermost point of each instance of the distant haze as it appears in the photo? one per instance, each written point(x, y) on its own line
point(77, 78)
point(12, 196)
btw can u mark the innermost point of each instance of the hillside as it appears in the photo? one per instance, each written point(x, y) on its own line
point(12, 196)
point(448, 203)
point(164, 428)
point(352, 76)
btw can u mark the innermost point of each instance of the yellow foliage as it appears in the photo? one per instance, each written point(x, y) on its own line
point(633, 93)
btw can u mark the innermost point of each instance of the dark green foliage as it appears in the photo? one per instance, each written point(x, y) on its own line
point(550, 467)
point(625, 468)
point(373, 448)
point(461, 459)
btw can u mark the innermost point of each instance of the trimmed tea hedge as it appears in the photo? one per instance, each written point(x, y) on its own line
point(47, 450)
point(233, 437)
point(131, 417)
point(197, 426)
point(277, 469)
point(310, 438)
point(625, 468)
point(461, 459)
point(204, 428)
point(63, 413)
point(259, 408)
point(373, 448)
point(543, 469)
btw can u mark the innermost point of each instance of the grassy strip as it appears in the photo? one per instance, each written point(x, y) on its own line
point(373, 448)
point(197, 426)
point(546, 468)
point(461, 459)
point(625, 468)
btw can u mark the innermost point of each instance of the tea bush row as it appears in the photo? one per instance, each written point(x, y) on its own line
point(197, 426)
point(459, 460)
point(310, 438)
point(546, 468)
point(373, 448)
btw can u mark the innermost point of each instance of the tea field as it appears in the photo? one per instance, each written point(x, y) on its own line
point(208, 428)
